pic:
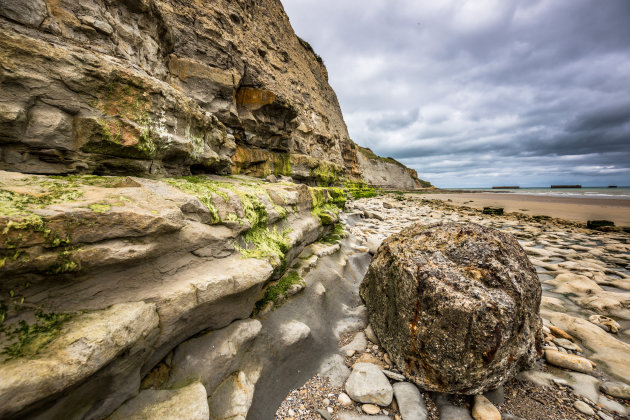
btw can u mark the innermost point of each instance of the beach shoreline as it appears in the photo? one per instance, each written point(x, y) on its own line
point(574, 209)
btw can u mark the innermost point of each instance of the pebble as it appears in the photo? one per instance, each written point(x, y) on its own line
point(370, 409)
point(344, 400)
point(484, 409)
point(563, 342)
point(387, 359)
point(568, 361)
point(410, 401)
point(604, 416)
point(369, 333)
point(367, 384)
point(393, 375)
point(583, 408)
point(560, 333)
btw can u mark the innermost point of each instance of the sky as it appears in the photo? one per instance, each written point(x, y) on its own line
point(482, 92)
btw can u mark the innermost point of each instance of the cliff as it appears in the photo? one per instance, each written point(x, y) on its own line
point(134, 274)
point(159, 87)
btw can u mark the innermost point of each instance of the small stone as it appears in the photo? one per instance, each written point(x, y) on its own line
point(330, 410)
point(344, 400)
point(369, 333)
point(563, 342)
point(484, 409)
point(560, 333)
point(368, 358)
point(616, 389)
point(370, 409)
point(350, 353)
point(604, 416)
point(367, 384)
point(393, 375)
point(291, 412)
point(568, 361)
point(387, 359)
point(410, 401)
point(583, 408)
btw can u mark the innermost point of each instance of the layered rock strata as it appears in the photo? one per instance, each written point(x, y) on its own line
point(106, 275)
point(161, 87)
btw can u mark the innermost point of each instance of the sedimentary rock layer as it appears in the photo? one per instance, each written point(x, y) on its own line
point(106, 275)
point(164, 87)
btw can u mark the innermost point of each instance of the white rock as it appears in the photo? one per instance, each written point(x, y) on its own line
point(369, 333)
point(410, 401)
point(370, 409)
point(583, 408)
point(319, 289)
point(334, 368)
point(292, 333)
point(616, 389)
point(344, 400)
point(358, 343)
point(367, 384)
point(189, 402)
point(192, 358)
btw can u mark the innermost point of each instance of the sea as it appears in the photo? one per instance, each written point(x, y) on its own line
point(586, 192)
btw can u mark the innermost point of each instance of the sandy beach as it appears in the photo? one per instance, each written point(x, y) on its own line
point(568, 208)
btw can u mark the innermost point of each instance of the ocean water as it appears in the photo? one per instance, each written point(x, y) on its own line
point(586, 192)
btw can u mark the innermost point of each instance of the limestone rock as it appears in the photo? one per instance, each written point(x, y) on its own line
point(455, 306)
point(568, 361)
point(367, 384)
point(583, 408)
point(484, 410)
point(187, 403)
point(410, 401)
point(88, 89)
point(449, 411)
point(369, 334)
point(370, 409)
point(358, 343)
point(292, 332)
point(334, 368)
point(616, 389)
point(211, 357)
point(607, 350)
point(90, 344)
point(232, 399)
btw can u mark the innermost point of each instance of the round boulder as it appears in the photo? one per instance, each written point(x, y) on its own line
point(455, 306)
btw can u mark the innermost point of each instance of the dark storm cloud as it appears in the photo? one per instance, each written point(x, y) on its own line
point(490, 91)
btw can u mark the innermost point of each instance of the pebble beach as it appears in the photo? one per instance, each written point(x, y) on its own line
point(585, 277)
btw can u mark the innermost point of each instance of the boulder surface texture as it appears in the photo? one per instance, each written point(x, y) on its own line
point(456, 306)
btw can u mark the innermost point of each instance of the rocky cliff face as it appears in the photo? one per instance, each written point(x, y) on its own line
point(164, 87)
point(102, 277)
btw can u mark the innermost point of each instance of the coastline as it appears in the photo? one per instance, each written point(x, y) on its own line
point(575, 209)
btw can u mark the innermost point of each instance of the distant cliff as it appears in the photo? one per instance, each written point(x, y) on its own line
point(160, 87)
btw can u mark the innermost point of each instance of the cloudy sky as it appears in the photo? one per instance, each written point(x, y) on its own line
point(482, 92)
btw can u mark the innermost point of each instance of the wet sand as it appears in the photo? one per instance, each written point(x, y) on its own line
point(568, 208)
